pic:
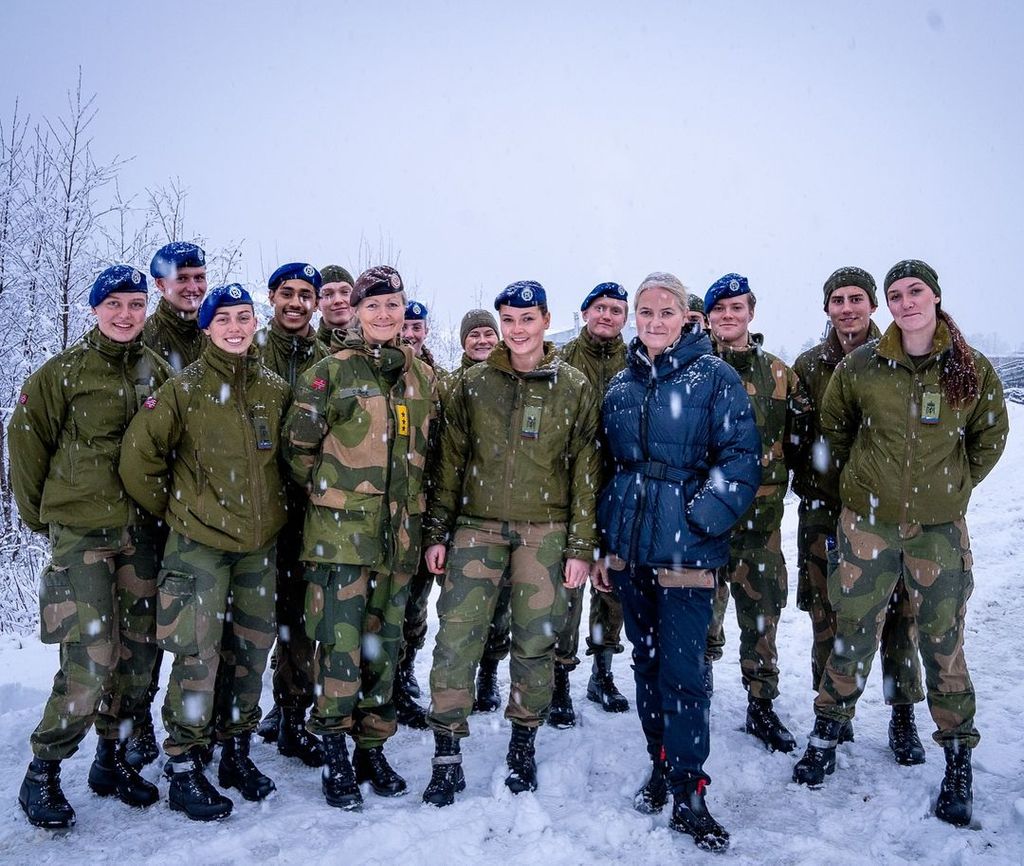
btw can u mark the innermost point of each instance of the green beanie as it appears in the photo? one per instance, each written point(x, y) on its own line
point(695, 303)
point(914, 268)
point(476, 319)
point(851, 276)
point(335, 274)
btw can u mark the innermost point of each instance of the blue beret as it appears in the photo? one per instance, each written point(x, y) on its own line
point(525, 293)
point(232, 295)
point(729, 286)
point(177, 254)
point(416, 310)
point(116, 278)
point(296, 271)
point(605, 290)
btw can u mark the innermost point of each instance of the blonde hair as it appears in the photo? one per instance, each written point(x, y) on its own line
point(662, 280)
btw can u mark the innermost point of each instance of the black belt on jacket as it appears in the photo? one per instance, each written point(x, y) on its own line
point(659, 471)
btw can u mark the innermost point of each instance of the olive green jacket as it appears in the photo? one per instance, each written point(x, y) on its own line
point(816, 477)
point(178, 341)
point(447, 383)
point(356, 438)
point(65, 433)
point(288, 354)
point(896, 467)
point(782, 412)
point(204, 452)
point(519, 446)
point(598, 360)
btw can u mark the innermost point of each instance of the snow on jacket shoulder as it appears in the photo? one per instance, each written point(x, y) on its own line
point(686, 456)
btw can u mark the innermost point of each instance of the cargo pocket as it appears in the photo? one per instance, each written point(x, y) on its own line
point(319, 603)
point(58, 610)
point(176, 612)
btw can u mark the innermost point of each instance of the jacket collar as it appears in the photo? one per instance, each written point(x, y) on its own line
point(501, 359)
point(112, 349)
point(229, 365)
point(171, 318)
point(890, 346)
point(832, 350)
point(600, 348)
point(690, 346)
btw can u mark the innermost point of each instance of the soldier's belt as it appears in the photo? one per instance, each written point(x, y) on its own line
point(659, 471)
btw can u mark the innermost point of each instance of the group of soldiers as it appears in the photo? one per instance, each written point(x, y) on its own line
point(111, 636)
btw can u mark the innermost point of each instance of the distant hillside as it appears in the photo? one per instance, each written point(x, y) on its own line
point(1010, 369)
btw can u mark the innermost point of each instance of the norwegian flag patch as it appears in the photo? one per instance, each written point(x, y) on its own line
point(150, 403)
point(23, 399)
point(319, 384)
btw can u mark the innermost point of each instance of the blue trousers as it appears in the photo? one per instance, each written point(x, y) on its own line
point(668, 630)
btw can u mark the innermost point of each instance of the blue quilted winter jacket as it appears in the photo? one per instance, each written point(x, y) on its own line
point(686, 456)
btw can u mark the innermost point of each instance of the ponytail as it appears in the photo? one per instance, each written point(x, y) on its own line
point(959, 375)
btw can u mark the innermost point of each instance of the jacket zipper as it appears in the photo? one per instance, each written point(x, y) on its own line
point(388, 545)
point(510, 460)
point(257, 486)
point(644, 409)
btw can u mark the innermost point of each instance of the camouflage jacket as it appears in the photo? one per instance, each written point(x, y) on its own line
point(815, 477)
point(598, 360)
point(357, 438)
point(204, 452)
point(519, 446)
point(782, 412)
point(66, 431)
point(447, 383)
point(287, 354)
point(326, 334)
point(897, 467)
point(178, 341)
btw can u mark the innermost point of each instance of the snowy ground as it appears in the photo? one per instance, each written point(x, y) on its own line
point(871, 811)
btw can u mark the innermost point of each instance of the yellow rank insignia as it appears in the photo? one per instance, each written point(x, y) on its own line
point(403, 419)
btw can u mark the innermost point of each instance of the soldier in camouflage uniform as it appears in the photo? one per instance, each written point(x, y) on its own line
point(96, 596)
point(357, 441)
point(179, 272)
point(938, 425)
point(211, 436)
point(335, 309)
point(514, 498)
point(756, 573)
point(849, 302)
point(598, 353)
point(289, 346)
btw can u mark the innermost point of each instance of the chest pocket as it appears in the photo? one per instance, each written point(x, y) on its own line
point(361, 438)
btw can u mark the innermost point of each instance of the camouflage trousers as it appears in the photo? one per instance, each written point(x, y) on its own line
point(96, 599)
point(215, 613)
point(756, 575)
point(605, 626)
point(485, 556)
point(901, 667)
point(293, 659)
point(356, 615)
point(935, 563)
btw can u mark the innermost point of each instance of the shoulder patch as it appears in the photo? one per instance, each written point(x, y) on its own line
point(318, 384)
point(150, 403)
point(23, 399)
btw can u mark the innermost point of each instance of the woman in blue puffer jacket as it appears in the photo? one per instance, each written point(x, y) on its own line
point(686, 453)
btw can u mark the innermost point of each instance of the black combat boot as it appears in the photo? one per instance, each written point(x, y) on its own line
point(819, 760)
point(191, 792)
point(766, 726)
point(270, 725)
point(956, 797)
point(690, 816)
point(522, 767)
point(653, 796)
point(601, 688)
point(446, 777)
point(488, 695)
point(141, 749)
point(42, 798)
point(405, 676)
point(903, 738)
point(407, 711)
point(371, 766)
point(338, 780)
point(111, 774)
point(846, 732)
point(294, 741)
point(561, 713)
point(237, 770)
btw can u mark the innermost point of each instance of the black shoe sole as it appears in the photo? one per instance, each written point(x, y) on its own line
point(784, 748)
point(109, 789)
point(346, 804)
point(607, 707)
point(48, 825)
point(177, 807)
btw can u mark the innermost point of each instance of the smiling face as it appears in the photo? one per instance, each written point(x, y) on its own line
point(730, 321)
point(184, 290)
point(479, 342)
point(605, 318)
point(659, 319)
point(294, 302)
point(121, 315)
point(913, 306)
point(414, 332)
point(381, 317)
point(232, 328)
point(334, 305)
point(522, 329)
point(849, 310)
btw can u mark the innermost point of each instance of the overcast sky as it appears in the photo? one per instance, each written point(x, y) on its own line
point(570, 143)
